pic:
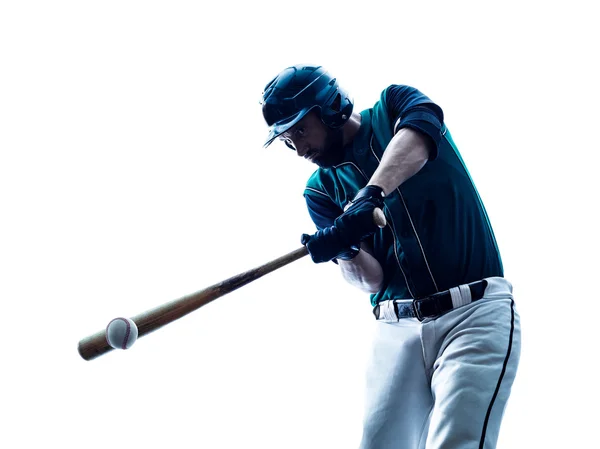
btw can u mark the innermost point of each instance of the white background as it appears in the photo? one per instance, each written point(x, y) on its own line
point(132, 173)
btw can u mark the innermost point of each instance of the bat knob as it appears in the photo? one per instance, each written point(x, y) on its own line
point(379, 217)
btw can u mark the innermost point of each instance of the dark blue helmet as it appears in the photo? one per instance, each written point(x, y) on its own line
point(296, 91)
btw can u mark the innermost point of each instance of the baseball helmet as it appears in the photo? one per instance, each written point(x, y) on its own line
point(299, 89)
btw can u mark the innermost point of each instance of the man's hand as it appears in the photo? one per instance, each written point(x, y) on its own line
point(328, 244)
point(342, 240)
point(357, 223)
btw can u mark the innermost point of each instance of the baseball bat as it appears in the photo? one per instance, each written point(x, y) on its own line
point(96, 345)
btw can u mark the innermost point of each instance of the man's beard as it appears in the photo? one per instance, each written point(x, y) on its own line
point(332, 152)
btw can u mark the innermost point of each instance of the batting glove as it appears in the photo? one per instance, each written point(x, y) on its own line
point(357, 223)
point(327, 244)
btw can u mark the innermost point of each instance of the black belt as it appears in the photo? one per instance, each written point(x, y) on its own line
point(434, 305)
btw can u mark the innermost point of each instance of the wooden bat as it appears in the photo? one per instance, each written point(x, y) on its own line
point(96, 345)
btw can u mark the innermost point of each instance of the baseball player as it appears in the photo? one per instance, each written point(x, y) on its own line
point(447, 341)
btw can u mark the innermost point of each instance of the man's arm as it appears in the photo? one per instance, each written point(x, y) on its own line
point(417, 132)
point(363, 271)
point(405, 155)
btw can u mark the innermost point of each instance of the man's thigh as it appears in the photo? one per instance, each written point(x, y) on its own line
point(477, 352)
point(398, 398)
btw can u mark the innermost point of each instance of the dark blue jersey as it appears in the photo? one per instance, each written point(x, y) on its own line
point(439, 235)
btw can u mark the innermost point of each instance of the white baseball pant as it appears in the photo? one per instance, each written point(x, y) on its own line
point(443, 383)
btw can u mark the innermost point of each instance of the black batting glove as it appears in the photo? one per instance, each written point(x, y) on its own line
point(357, 223)
point(328, 244)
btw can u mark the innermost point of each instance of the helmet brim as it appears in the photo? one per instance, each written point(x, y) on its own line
point(283, 125)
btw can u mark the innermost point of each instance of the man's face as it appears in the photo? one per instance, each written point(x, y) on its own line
point(313, 140)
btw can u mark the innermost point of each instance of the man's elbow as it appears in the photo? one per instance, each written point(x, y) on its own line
point(374, 286)
point(363, 272)
point(371, 284)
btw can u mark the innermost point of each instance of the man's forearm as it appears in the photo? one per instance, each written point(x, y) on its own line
point(363, 272)
point(404, 156)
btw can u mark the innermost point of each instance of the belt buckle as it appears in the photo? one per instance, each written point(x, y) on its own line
point(417, 310)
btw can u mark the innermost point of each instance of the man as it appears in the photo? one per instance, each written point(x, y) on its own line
point(447, 343)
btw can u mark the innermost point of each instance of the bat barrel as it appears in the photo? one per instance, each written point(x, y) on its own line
point(96, 345)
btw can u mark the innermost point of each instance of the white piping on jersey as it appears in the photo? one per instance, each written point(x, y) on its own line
point(391, 228)
point(398, 259)
point(387, 217)
point(411, 223)
point(354, 165)
point(318, 191)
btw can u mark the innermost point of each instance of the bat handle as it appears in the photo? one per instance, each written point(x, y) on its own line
point(379, 217)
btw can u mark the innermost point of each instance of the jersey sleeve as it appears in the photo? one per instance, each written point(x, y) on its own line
point(321, 209)
point(409, 108)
